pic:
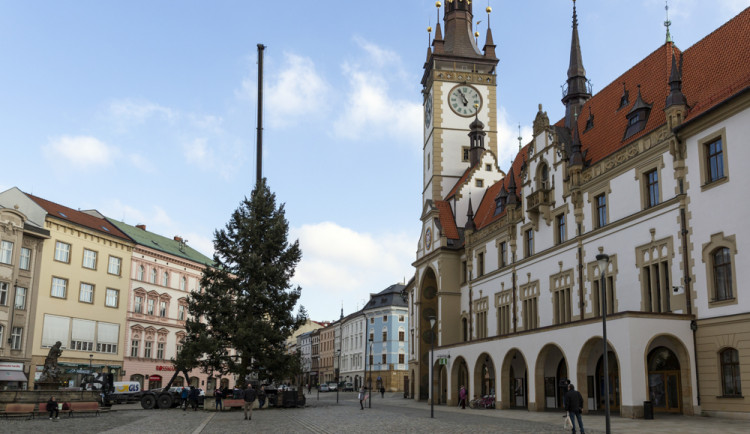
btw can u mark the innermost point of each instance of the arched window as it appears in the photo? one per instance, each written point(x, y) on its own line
point(141, 272)
point(153, 275)
point(730, 372)
point(183, 283)
point(544, 177)
point(722, 264)
point(165, 279)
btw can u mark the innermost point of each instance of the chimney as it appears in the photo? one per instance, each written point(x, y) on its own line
point(142, 227)
point(178, 238)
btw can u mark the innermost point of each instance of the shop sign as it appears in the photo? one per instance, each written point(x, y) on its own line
point(154, 378)
point(11, 366)
point(165, 367)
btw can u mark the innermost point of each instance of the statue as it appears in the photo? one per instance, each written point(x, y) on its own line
point(51, 372)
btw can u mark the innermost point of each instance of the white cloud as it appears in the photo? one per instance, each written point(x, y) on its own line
point(142, 163)
point(507, 138)
point(380, 56)
point(372, 112)
point(131, 111)
point(81, 151)
point(342, 265)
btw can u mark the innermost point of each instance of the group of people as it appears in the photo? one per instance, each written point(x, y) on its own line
point(189, 397)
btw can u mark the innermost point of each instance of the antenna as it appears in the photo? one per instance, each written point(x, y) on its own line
point(519, 137)
point(667, 23)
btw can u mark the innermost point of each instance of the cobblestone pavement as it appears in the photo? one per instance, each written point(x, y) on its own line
point(323, 415)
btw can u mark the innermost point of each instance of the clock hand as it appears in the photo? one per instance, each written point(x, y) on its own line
point(463, 97)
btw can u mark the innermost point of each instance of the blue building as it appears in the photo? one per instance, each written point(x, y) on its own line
point(387, 341)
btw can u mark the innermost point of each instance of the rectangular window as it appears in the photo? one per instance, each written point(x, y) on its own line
point(106, 348)
point(81, 345)
point(597, 307)
point(147, 350)
point(16, 338)
point(655, 279)
point(601, 210)
point(503, 319)
point(480, 264)
point(87, 293)
point(181, 312)
point(113, 298)
point(480, 183)
point(138, 304)
point(530, 313)
point(385, 318)
point(372, 320)
point(562, 306)
point(401, 335)
point(151, 303)
point(715, 157)
point(160, 350)
point(481, 318)
point(464, 272)
point(20, 298)
point(561, 230)
point(529, 242)
point(59, 287)
point(62, 252)
point(465, 153)
point(6, 252)
point(89, 259)
point(4, 293)
point(652, 188)
point(385, 336)
point(162, 309)
point(503, 254)
point(401, 318)
point(114, 266)
point(401, 358)
point(383, 359)
point(134, 348)
point(25, 263)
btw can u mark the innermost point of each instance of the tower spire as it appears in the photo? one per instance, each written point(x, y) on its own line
point(577, 92)
point(667, 23)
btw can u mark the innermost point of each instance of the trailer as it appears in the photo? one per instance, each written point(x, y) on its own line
point(163, 398)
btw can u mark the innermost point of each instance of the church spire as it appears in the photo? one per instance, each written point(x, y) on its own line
point(459, 31)
point(470, 217)
point(578, 91)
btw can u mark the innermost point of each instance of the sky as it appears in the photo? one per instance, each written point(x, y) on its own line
point(147, 111)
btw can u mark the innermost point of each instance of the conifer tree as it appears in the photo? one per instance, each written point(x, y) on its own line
point(239, 321)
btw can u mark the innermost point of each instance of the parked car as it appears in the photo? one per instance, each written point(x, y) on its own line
point(332, 386)
point(323, 388)
point(348, 387)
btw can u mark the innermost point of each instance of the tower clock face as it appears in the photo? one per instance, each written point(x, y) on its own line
point(428, 111)
point(464, 100)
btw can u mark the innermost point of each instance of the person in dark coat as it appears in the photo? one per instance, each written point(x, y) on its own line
point(382, 392)
point(52, 408)
point(573, 405)
point(250, 396)
point(184, 398)
point(193, 397)
point(218, 394)
point(261, 397)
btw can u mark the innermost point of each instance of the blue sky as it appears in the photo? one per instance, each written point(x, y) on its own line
point(146, 111)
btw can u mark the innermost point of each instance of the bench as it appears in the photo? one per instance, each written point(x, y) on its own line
point(233, 403)
point(19, 410)
point(84, 407)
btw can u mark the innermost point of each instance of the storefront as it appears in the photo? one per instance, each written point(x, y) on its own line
point(12, 376)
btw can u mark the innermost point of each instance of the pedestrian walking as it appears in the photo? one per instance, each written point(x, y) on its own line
point(382, 392)
point(250, 396)
point(184, 398)
point(573, 405)
point(462, 397)
point(218, 395)
point(361, 397)
point(261, 397)
point(52, 408)
point(193, 397)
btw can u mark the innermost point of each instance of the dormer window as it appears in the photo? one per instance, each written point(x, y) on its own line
point(637, 116)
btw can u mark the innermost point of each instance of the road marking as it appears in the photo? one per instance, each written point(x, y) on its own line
point(205, 422)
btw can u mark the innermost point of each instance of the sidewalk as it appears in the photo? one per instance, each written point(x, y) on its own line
point(662, 423)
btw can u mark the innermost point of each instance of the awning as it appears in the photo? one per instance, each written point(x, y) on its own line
point(13, 376)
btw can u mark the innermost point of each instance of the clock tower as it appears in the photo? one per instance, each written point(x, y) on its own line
point(459, 84)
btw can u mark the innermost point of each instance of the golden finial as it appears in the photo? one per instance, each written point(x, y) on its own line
point(429, 29)
point(489, 9)
point(476, 106)
point(438, 4)
point(476, 34)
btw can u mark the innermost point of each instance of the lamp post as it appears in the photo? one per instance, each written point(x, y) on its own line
point(603, 261)
point(338, 370)
point(432, 366)
point(369, 380)
point(91, 358)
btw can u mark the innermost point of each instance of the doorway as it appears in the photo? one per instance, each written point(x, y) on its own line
point(664, 380)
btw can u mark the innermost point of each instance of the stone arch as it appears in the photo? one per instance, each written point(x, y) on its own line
point(485, 376)
point(588, 365)
point(550, 365)
point(428, 306)
point(514, 380)
point(459, 377)
point(676, 346)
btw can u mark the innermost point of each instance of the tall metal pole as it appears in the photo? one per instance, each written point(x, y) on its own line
point(432, 373)
point(603, 261)
point(259, 144)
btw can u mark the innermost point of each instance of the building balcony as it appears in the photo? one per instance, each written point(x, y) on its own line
point(540, 202)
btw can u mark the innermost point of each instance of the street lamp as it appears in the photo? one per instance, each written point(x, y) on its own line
point(91, 358)
point(603, 260)
point(432, 366)
point(338, 370)
point(369, 381)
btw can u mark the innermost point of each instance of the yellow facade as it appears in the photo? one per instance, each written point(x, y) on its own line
point(75, 272)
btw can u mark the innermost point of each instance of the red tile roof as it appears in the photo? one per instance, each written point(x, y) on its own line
point(78, 217)
point(447, 220)
point(486, 212)
point(459, 183)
